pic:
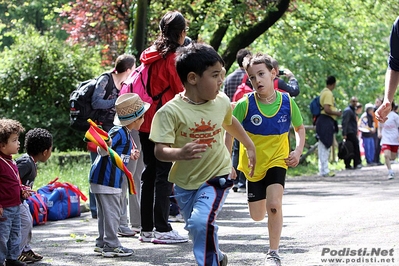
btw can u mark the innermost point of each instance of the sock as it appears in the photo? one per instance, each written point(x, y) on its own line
point(275, 250)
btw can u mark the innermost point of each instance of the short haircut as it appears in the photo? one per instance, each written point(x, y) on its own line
point(258, 59)
point(195, 57)
point(8, 127)
point(275, 63)
point(241, 54)
point(124, 62)
point(38, 140)
point(330, 80)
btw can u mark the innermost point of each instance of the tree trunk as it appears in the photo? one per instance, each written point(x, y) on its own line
point(245, 38)
point(140, 27)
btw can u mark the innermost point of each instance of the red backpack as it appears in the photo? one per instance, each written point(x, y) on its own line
point(242, 89)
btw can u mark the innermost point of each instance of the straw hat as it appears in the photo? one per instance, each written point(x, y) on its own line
point(129, 108)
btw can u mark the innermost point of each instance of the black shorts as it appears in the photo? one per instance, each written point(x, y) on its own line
point(257, 190)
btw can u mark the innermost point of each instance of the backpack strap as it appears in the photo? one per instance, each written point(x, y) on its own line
point(244, 78)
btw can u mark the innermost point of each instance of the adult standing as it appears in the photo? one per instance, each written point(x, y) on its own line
point(377, 140)
point(124, 65)
point(366, 127)
point(392, 74)
point(326, 125)
point(349, 132)
point(163, 78)
point(292, 87)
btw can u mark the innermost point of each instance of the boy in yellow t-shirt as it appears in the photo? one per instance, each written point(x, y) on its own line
point(188, 131)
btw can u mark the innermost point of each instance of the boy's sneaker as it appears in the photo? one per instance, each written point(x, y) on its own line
point(34, 255)
point(25, 257)
point(178, 218)
point(116, 252)
point(273, 259)
point(98, 249)
point(170, 237)
point(125, 231)
point(391, 176)
point(14, 263)
point(146, 236)
point(224, 261)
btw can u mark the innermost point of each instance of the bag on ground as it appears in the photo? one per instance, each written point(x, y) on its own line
point(345, 149)
point(38, 208)
point(63, 200)
point(80, 103)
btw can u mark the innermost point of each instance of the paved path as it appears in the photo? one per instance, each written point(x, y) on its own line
point(357, 209)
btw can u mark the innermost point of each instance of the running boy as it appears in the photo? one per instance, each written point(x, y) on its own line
point(38, 146)
point(11, 192)
point(188, 131)
point(106, 179)
point(266, 115)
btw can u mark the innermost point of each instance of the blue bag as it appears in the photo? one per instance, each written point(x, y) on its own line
point(38, 208)
point(63, 200)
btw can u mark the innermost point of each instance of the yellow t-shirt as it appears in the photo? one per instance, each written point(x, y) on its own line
point(327, 97)
point(179, 122)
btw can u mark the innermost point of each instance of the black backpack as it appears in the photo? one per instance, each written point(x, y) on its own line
point(345, 150)
point(80, 103)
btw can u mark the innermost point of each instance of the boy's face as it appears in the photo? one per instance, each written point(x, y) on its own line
point(208, 85)
point(12, 145)
point(261, 78)
point(46, 154)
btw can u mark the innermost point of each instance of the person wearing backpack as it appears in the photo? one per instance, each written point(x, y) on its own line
point(103, 99)
point(163, 77)
point(326, 125)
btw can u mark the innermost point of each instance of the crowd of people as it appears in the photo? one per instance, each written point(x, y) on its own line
point(192, 144)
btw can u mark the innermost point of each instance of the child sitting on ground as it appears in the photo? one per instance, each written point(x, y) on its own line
point(11, 192)
point(38, 146)
point(106, 178)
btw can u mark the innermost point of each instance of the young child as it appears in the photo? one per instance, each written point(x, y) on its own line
point(106, 178)
point(11, 192)
point(266, 115)
point(389, 135)
point(38, 146)
point(188, 131)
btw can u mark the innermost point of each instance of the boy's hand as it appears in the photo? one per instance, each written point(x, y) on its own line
point(135, 154)
point(192, 149)
point(251, 160)
point(293, 158)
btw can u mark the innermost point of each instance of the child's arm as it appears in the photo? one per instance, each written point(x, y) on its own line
point(238, 132)
point(190, 151)
point(295, 155)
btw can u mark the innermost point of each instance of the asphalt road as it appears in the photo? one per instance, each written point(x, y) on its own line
point(352, 217)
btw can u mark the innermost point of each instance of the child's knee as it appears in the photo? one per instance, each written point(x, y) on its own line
point(273, 207)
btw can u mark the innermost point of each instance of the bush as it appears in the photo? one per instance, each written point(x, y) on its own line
point(37, 75)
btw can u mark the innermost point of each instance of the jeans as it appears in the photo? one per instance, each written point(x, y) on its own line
point(240, 181)
point(10, 234)
point(92, 199)
point(369, 149)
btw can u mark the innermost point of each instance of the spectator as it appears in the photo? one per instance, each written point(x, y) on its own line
point(326, 125)
point(38, 146)
point(292, 87)
point(349, 132)
point(367, 129)
point(124, 65)
point(155, 185)
point(377, 140)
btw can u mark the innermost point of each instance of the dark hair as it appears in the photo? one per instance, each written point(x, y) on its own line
point(171, 26)
point(274, 63)
point(124, 62)
point(38, 140)
point(240, 56)
point(330, 80)
point(8, 127)
point(257, 59)
point(195, 58)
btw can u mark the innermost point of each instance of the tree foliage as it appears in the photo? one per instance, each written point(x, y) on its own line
point(37, 75)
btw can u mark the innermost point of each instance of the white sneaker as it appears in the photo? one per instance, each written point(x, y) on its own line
point(125, 231)
point(391, 176)
point(273, 259)
point(116, 252)
point(168, 237)
point(146, 236)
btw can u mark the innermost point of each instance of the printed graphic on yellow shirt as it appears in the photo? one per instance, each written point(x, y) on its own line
point(204, 131)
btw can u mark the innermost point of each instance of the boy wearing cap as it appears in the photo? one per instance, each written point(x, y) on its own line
point(189, 131)
point(106, 178)
point(366, 126)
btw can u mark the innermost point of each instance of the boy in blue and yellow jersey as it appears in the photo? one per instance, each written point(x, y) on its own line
point(188, 131)
point(266, 115)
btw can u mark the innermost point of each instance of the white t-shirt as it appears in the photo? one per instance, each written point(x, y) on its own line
point(390, 130)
